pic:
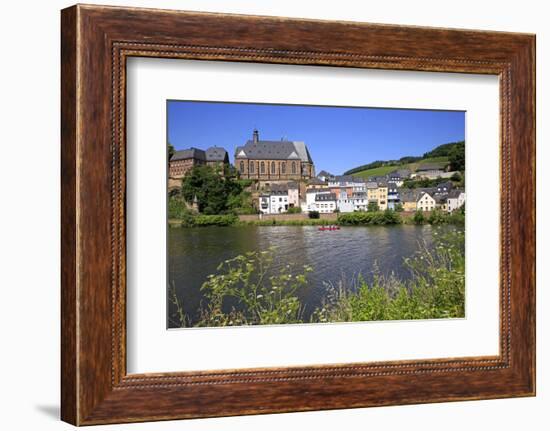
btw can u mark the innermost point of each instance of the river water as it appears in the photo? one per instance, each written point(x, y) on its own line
point(194, 253)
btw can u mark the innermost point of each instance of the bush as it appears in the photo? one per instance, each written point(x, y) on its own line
point(437, 217)
point(314, 214)
point(215, 220)
point(369, 218)
point(294, 210)
point(419, 217)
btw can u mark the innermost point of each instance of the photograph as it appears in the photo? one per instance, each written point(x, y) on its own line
point(299, 214)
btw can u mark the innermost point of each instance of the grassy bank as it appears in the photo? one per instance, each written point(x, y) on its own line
point(261, 295)
point(363, 218)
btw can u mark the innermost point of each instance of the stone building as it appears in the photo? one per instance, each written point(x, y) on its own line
point(216, 156)
point(274, 160)
point(183, 161)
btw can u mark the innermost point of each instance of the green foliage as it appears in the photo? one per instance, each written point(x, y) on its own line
point(177, 209)
point(215, 220)
point(436, 290)
point(456, 177)
point(216, 193)
point(457, 157)
point(398, 208)
point(392, 164)
point(314, 214)
point(369, 218)
point(418, 217)
point(260, 298)
point(278, 222)
point(171, 151)
point(437, 217)
point(444, 150)
point(412, 183)
point(372, 206)
point(294, 210)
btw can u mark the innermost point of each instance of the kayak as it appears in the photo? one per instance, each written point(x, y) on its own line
point(329, 228)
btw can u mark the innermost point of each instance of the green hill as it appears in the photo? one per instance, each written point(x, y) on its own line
point(450, 153)
point(383, 170)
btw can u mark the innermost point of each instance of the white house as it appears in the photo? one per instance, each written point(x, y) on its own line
point(274, 202)
point(455, 200)
point(310, 202)
point(355, 202)
point(425, 202)
point(278, 202)
point(325, 202)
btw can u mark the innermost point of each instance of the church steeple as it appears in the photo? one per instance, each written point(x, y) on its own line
point(255, 136)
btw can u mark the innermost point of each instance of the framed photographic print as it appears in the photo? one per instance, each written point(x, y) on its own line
point(267, 215)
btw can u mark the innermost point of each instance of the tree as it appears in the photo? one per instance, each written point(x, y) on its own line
point(398, 208)
point(171, 151)
point(457, 157)
point(372, 206)
point(209, 188)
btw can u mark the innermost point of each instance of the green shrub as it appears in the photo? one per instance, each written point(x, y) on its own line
point(369, 218)
point(418, 217)
point(314, 214)
point(294, 210)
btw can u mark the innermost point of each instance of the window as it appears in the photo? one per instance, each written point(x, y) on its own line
point(242, 167)
point(251, 167)
point(262, 168)
point(272, 167)
point(283, 168)
point(293, 167)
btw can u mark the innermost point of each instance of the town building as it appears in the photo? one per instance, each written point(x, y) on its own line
point(393, 195)
point(398, 176)
point(274, 160)
point(455, 199)
point(317, 184)
point(183, 161)
point(325, 176)
point(356, 202)
point(443, 188)
point(430, 171)
point(377, 192)
point(425, 201)
point(345, 185)
point(216, 156)
point(408, 199)
point(274, 202)
point(325, 202)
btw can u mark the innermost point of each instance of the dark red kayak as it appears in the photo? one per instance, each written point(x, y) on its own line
point(329, 228)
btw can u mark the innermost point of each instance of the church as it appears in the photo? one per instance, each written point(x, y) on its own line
point(274, 160)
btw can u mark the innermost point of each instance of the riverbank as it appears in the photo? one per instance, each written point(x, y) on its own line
point(363, 218)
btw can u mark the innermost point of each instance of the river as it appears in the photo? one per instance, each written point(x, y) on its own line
point(194, 253)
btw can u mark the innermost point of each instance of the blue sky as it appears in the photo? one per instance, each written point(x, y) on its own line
point(338, 138)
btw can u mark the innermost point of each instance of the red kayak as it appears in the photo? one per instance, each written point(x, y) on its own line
point(329, 228)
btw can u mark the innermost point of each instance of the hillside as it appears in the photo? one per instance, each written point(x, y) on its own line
point(449, 153)
point(383, 170)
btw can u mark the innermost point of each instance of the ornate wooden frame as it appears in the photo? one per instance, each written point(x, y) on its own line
point(95, 43)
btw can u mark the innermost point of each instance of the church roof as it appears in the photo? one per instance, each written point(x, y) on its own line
point(274, 150)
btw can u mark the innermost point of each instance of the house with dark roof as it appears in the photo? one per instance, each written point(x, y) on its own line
point(324, 175)
point(274, 160)
point(182, 161)
point(430, 170)
point(216, 156)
